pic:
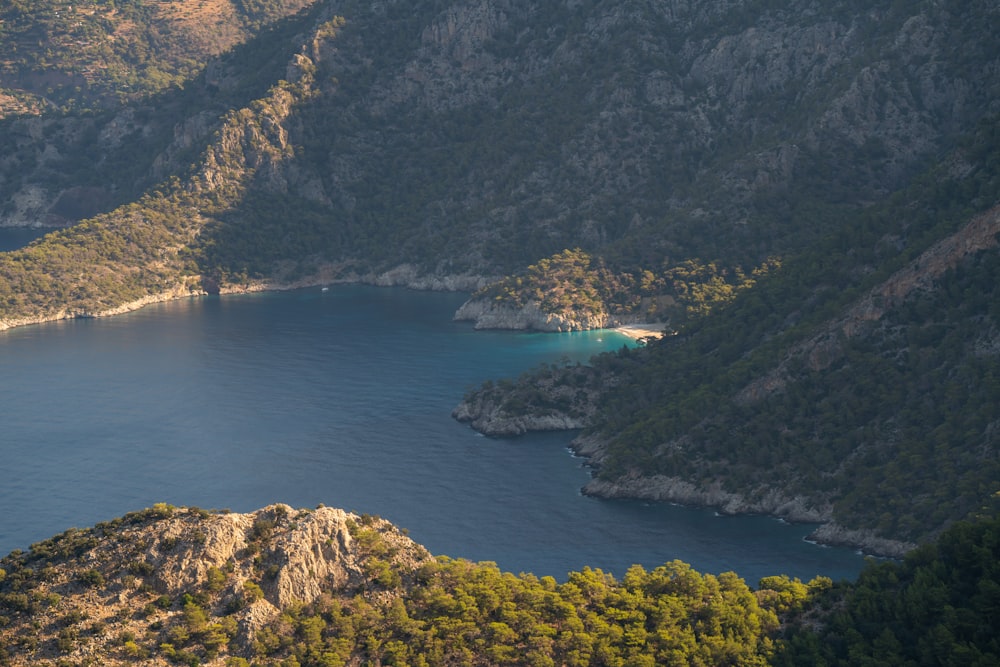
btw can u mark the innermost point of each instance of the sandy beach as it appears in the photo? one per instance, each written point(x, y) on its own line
point(637, 331)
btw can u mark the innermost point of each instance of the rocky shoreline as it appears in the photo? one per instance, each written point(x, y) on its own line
point(765, 500)
point(401, 276)
point(484, 412)
point(771, 502)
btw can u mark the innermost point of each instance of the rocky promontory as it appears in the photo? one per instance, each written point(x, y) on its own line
point(490, 417)
point(489, 315)
point(551, 399)
point(192, 584)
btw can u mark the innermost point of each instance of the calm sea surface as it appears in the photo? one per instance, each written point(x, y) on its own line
point(343, 398)
point(11, 238)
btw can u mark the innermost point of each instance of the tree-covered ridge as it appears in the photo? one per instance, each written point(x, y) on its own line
point(463, 613)
point(92, 54)
point(938, 607)
point(319, 588)
point(280, 586)
point(574, 283)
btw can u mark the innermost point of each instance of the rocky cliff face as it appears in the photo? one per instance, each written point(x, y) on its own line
point(487, 315)
point(110, 594)
point(553, 399)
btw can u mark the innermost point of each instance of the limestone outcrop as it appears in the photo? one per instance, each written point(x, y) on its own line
point(488, 315)
point(165, 573)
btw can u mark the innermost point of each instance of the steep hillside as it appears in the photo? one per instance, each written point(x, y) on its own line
point(488, 135)
point(855, 386)
point(144, 251)
point(445, 143)
point(61, 54)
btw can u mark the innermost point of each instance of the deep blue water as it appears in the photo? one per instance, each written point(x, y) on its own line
point(343, 398)
point(16, 237)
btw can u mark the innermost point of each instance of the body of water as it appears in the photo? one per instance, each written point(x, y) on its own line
point(12, 238)
point(340, 397)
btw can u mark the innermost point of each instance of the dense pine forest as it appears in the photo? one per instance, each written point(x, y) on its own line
point(191, 587)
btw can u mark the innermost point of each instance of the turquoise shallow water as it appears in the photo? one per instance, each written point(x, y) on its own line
point(343, 398)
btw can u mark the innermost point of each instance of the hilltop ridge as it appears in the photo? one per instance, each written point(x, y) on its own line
point(171, 585)
point(279, 587)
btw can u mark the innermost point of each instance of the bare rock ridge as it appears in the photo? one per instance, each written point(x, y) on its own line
point(822, 349)
point(135, 576)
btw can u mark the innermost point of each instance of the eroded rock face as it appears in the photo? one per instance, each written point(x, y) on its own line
point(300, 552)
point(139, 575)
point(487, 315)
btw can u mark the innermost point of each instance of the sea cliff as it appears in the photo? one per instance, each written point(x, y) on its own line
point(531, 316)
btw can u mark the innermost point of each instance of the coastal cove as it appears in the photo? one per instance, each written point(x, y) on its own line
point(338, 397)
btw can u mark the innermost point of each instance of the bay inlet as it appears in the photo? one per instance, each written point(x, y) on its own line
point(343, 398)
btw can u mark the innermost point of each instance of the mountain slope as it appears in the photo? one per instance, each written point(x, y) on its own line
point(855, 386)
point(475, 138)
point(57, 54)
